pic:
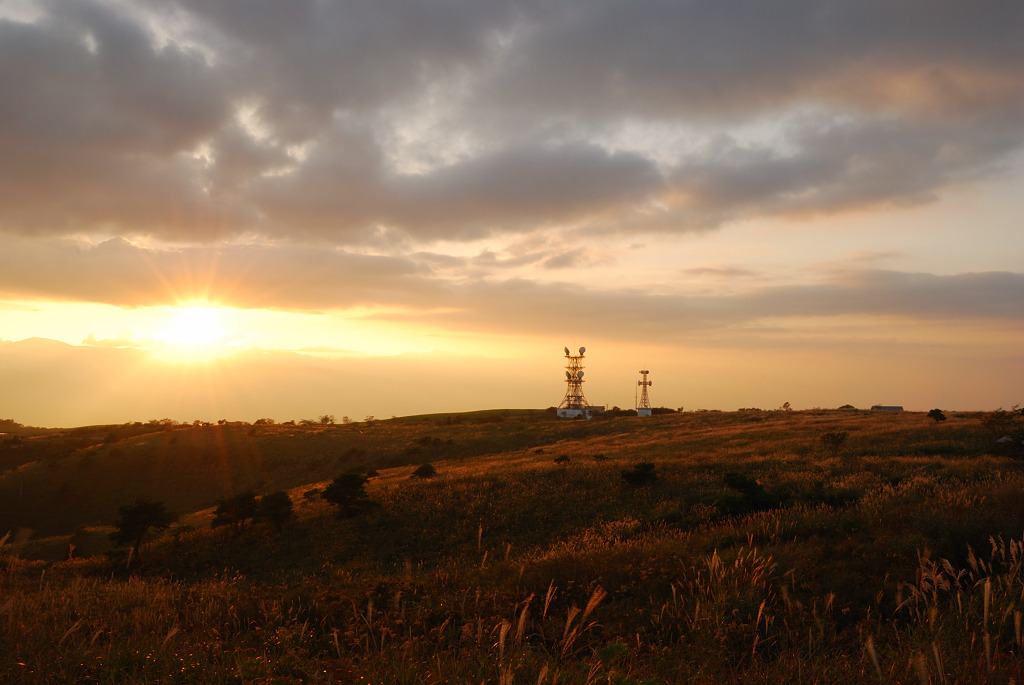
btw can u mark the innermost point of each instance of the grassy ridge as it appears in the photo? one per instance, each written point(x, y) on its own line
point(60, 481)
point(753, 557)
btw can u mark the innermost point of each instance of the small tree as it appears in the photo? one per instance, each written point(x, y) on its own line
point(234, 511)
point(1000, 421)
point(348, 493)
point(326, 420)
point(275, 507)
point(135, 520)
point(833, 440)
point(936, 415)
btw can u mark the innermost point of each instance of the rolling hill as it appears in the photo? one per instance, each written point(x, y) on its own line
point(540, 552)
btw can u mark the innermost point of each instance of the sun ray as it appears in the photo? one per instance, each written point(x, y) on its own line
point(195, 332)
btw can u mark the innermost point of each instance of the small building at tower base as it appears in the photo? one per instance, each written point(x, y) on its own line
point(575, 412)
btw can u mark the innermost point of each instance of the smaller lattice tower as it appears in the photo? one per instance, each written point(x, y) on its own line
point(574, 403)
point(643, 407)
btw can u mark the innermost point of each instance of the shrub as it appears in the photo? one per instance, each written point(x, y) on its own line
point(753, 496)
point(1000, 421)
point(936, 415)
point(641, 474)
point(425, 471)
point(833, 440)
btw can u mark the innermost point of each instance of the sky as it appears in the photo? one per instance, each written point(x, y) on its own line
point(284, 208)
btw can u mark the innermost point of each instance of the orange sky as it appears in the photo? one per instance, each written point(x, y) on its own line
point(235, 210)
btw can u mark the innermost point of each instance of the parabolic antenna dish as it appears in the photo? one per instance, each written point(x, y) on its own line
point(568, 375)
point(566, 351)
point(582, 350)
point(579, 374)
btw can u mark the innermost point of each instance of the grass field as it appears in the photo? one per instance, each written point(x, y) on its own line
point(755, 554)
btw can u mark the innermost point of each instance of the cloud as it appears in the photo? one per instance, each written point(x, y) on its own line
point(518, 306)
point(467, 294)
point(725, 271)
point(249, 276)
point(385, 123)
point(709, 60)
point(124, 340)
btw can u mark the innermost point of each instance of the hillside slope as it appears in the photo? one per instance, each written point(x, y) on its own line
point(748, 553)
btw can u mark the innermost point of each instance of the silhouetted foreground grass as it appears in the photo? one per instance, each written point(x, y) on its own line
point(753, 556)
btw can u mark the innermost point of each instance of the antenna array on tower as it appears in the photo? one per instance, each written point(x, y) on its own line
point(574, 403)
point(643, 407)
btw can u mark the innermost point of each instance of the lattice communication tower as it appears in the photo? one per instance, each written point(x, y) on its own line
point(643, 407)
point(574, 399)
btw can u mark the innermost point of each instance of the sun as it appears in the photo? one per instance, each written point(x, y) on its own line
point(194, 329)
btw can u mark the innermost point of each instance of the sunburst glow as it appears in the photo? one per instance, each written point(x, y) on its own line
point(196, 328)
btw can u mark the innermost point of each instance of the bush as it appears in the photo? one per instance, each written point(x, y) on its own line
point(833, 440)
point(753, 496)
point(1000, 421)
point(641, 474)
point(425, 471)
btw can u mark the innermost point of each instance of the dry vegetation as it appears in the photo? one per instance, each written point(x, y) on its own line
point(755, 555)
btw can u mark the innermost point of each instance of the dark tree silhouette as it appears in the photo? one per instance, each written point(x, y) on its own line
point(833, 440)
point(425, 471)
point(235, 510)
point(275, 507)
point(348, 494)
point(1000, 421)
point(135, 520)
point(936, 415)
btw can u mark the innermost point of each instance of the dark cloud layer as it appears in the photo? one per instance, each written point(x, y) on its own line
point(282, 277)
point(519, 305)
point(204, 119)
point(461, 296)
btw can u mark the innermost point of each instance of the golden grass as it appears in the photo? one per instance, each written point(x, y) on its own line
point(899, 560)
